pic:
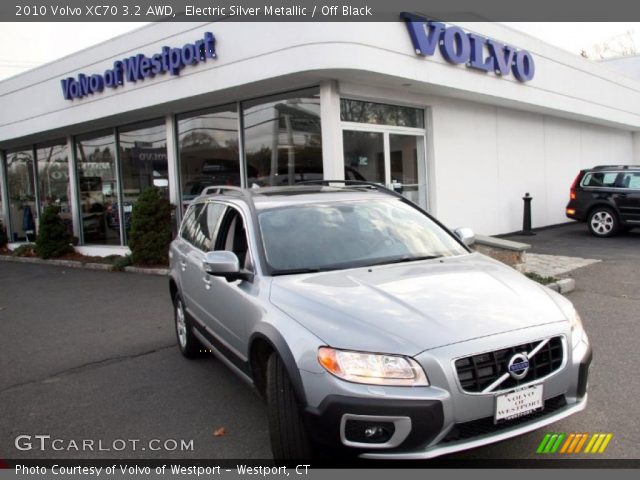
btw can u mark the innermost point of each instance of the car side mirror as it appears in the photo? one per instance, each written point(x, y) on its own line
point(466, 235)
point(223, 263)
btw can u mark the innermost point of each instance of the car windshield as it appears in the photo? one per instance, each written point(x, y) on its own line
point(338, 235)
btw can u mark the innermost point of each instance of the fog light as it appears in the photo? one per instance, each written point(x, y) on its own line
point(372, 432)
point(571, 211)
point(369, 432)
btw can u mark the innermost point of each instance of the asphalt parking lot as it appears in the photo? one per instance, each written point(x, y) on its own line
point(91, 355)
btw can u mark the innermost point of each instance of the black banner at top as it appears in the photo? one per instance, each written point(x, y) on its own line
point(315, 10)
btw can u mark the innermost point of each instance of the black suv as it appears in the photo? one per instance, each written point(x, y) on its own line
point(607, 197)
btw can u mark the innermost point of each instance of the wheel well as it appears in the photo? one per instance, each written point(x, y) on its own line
point(259, 354)
point(602, 205)
point(173, 288)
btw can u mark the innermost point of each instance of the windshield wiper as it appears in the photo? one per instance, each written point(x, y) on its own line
point(403, 259)
point(293, 271)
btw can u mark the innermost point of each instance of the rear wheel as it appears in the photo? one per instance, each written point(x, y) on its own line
point(189, 345)
point(603, 222)
point(289, 439)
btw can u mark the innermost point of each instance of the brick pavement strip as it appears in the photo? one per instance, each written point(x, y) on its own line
point(554, 265)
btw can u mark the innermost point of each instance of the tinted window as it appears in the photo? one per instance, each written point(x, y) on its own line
point(190, 225)
point(600, 179)
point(337, 235)
point(211, 226)
point(233, 237)
point(631, 180)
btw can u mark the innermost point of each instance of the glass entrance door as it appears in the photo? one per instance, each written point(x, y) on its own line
point(395, 160)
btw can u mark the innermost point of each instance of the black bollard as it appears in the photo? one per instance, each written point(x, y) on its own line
point(526, 216)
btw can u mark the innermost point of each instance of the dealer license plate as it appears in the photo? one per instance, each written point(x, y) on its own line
point(517, 403)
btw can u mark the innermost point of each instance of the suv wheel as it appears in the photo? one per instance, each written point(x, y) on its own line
point(603, 222)
point(289, 439)
point(189, 345)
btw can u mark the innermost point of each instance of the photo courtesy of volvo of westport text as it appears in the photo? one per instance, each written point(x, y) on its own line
point(61, 471)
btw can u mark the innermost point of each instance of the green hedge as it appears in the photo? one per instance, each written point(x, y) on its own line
point(54, 239)
point(150, 233)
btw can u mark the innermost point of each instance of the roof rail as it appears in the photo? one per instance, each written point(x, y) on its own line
point(356, 183)
point(219, 189)
point(621, 167)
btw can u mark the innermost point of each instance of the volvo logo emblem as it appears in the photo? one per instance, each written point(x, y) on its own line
point(518, 366)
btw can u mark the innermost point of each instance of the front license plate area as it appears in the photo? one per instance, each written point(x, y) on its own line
point(518, 403)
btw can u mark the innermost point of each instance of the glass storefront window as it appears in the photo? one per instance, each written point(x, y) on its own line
point(209, 152)
point(53, 178)
point(282, 138)
point(98, 187)
point(363, 156)
point(22, 197)
point(380, 114)
point(143, 157)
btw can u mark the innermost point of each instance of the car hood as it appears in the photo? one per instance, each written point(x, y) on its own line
point(411, 307)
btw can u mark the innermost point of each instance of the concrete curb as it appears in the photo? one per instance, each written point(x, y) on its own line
point(89, 265)
point(163, 272)
point(563, 286)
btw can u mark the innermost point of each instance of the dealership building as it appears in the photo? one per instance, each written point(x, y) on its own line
point(464, 119)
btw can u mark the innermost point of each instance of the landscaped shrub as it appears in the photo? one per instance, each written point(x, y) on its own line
point(120, 263)
point(150, 233)
point(25, 250)
point(54, 239)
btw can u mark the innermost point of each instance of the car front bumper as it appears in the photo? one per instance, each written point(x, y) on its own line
point(427, 422)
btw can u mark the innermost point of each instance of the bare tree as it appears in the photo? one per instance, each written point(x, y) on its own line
point(622, 45)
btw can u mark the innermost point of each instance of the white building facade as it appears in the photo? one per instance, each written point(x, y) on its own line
point(274, 103)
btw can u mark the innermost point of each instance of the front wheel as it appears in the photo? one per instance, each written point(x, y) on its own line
point(289, 439)
point(188, 344)
point(603, 222)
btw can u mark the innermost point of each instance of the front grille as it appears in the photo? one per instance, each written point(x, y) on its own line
point(477, 372)
point(485, 426)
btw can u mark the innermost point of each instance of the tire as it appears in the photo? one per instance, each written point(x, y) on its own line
point(289, 440)
point(603, 222)
point(188, 344)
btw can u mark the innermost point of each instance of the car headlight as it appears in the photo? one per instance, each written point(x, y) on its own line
point(372, 368)
point(576, 328)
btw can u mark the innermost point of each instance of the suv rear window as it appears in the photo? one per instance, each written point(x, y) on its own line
point(600, 179)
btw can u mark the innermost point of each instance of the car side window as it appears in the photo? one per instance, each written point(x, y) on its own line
point(201, 224)
point(631, 180)
point(212, 219)
point(190, 226)
point(600, 179)
point(232, 236)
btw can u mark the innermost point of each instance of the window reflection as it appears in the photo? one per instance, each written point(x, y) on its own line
point(209, 153)
point(98, 188)
point(380, 114)
point(282, 139)
point(22, 197)
point(53, 179)
point(143, 157)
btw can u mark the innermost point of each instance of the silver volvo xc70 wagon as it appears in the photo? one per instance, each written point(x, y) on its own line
point(368, 326)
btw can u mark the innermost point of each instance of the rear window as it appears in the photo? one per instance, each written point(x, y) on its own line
point(600, 179)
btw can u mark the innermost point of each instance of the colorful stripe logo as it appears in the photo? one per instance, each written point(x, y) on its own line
point(574, 443)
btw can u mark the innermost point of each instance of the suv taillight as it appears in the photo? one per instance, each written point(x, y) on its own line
point(572, 190)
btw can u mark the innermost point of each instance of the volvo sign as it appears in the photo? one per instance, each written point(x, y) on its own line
point(140, 67)
point(475, 51)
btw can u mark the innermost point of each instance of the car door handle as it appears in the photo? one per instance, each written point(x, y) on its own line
point(207, 282)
